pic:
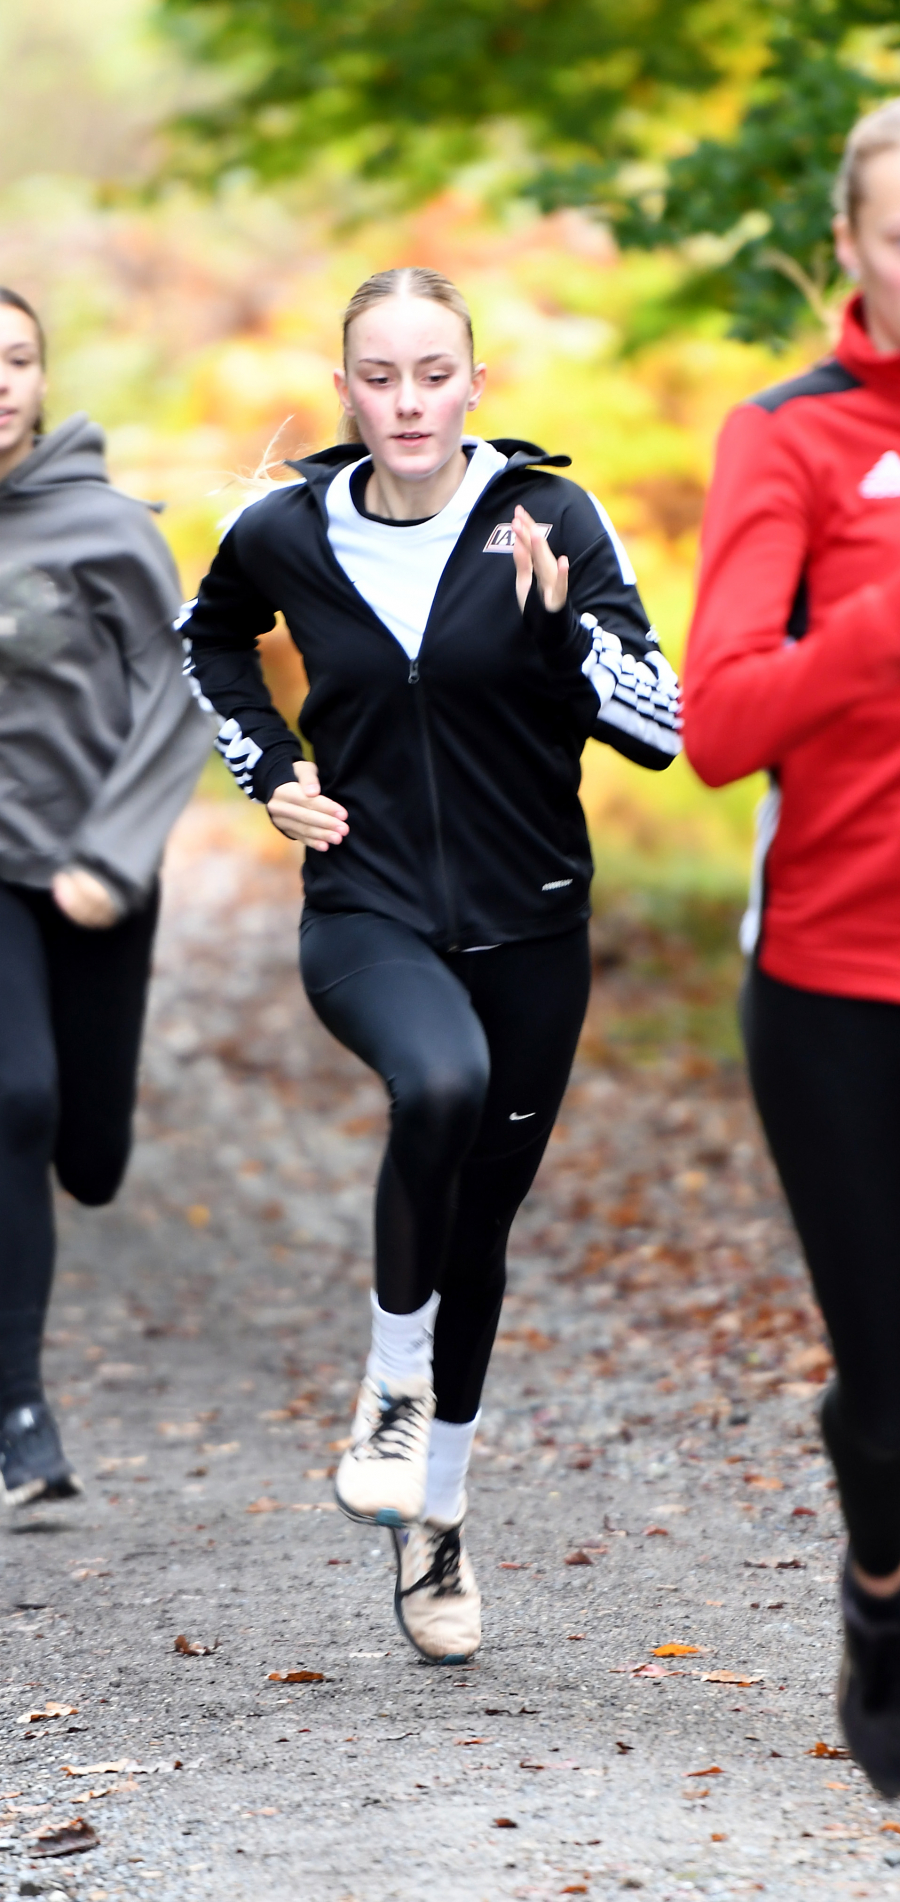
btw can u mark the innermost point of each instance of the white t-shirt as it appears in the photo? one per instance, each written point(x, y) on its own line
point(395, 567)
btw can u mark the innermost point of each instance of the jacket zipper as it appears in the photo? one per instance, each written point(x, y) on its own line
point(422, 711)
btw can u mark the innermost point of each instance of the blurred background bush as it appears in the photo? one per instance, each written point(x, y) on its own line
point(633, 199)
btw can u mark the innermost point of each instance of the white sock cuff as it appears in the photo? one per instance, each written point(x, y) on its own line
point(402, 1343)
point(449, 1453)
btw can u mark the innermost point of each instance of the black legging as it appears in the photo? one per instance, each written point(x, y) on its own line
point(825, 1072)
point(71, 1013)
point(475, 1049)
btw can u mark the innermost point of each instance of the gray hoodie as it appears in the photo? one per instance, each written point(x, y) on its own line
point(101, 740)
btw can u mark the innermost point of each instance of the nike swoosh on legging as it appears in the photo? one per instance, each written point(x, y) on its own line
point(515, 1117)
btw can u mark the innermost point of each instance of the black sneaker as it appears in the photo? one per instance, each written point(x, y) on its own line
point(869, 1684)
point(32, 1462)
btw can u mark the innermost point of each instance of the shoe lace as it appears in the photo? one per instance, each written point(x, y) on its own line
point(442, 1575)
point(398, 1429)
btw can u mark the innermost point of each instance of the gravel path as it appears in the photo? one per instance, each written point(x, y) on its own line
point(648, 1475)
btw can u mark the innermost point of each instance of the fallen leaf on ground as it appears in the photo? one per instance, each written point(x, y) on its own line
point(803, 1512)
point(179, 1429)
point(49, 1710)
point(678, 1650)
point(654, 1670)
point(764, 1484)
point(714, 1771)
point(194, 1649)
point(575, 1637)
point(266, 1505)
point(465, 1741)
point(623, 1748)
point(64, 1839)
point(831, 1751)
point(718, 1837)
point(296, 1677)
point(890, 1828)
point(530, 1766)
point(504, 1822)
point(728, 1677)
point(575, 1888)
point(123, 1766)
point(579, 1557)
point(512, 1565)
point(655, 1532)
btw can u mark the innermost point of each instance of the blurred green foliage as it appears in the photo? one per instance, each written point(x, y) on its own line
point(767, 191)
point(410, 90)
point(411, 85)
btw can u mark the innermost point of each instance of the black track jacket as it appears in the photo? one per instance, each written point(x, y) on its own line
point(459, 770)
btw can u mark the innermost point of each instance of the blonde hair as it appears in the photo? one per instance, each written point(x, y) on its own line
point(410, 280)
point(877, 132)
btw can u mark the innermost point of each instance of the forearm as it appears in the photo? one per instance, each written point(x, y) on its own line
point(220, 635)
point(122, 838)
point(745, 709)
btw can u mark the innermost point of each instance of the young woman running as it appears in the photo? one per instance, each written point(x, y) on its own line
point(101, 740)
point(794, 665)
point(466, 620)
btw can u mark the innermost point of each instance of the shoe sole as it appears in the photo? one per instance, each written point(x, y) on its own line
point(35, 1491)
point(385, 1515)
point(886, 1785)
point(450, 1657)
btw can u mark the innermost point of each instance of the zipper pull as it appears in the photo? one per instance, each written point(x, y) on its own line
point(413, 672)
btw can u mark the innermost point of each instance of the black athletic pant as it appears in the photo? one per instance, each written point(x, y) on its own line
point(825, 1072)
point(71, 1013)
point(475, 1048)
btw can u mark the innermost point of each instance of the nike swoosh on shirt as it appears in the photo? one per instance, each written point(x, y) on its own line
point(515, 1117)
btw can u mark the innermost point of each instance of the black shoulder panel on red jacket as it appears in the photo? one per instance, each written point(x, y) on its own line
point(824, 379)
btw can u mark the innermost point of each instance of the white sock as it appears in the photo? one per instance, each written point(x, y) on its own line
point(449, 1453)
point(402, 1343)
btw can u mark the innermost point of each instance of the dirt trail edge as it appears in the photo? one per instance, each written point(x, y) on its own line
point(651, 1516)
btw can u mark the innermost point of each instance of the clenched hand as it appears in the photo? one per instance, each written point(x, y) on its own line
point(85, 900)
point(300, 810)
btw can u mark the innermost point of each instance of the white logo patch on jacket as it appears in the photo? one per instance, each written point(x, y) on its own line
point(502, 539)
point(883, 480)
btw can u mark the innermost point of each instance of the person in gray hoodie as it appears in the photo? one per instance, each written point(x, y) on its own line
point(101, 742)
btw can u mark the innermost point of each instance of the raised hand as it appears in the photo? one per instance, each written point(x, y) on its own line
point(534, 559)
point(85, 899)
point(300, 810)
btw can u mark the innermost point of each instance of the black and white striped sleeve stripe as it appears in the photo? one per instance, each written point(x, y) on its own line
point(639, 710)
point(239, 752)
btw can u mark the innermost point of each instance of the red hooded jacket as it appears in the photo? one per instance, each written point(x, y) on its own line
point(793, 662)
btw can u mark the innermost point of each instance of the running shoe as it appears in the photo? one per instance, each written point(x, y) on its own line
point(32, 1462)
point(382, 1474)
point(437, 1601)
point(869, 1684)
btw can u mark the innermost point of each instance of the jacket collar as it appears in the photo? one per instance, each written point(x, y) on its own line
point(856, 351)
point(321, 468)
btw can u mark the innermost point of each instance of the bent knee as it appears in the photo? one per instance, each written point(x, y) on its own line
point(443, 1101)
